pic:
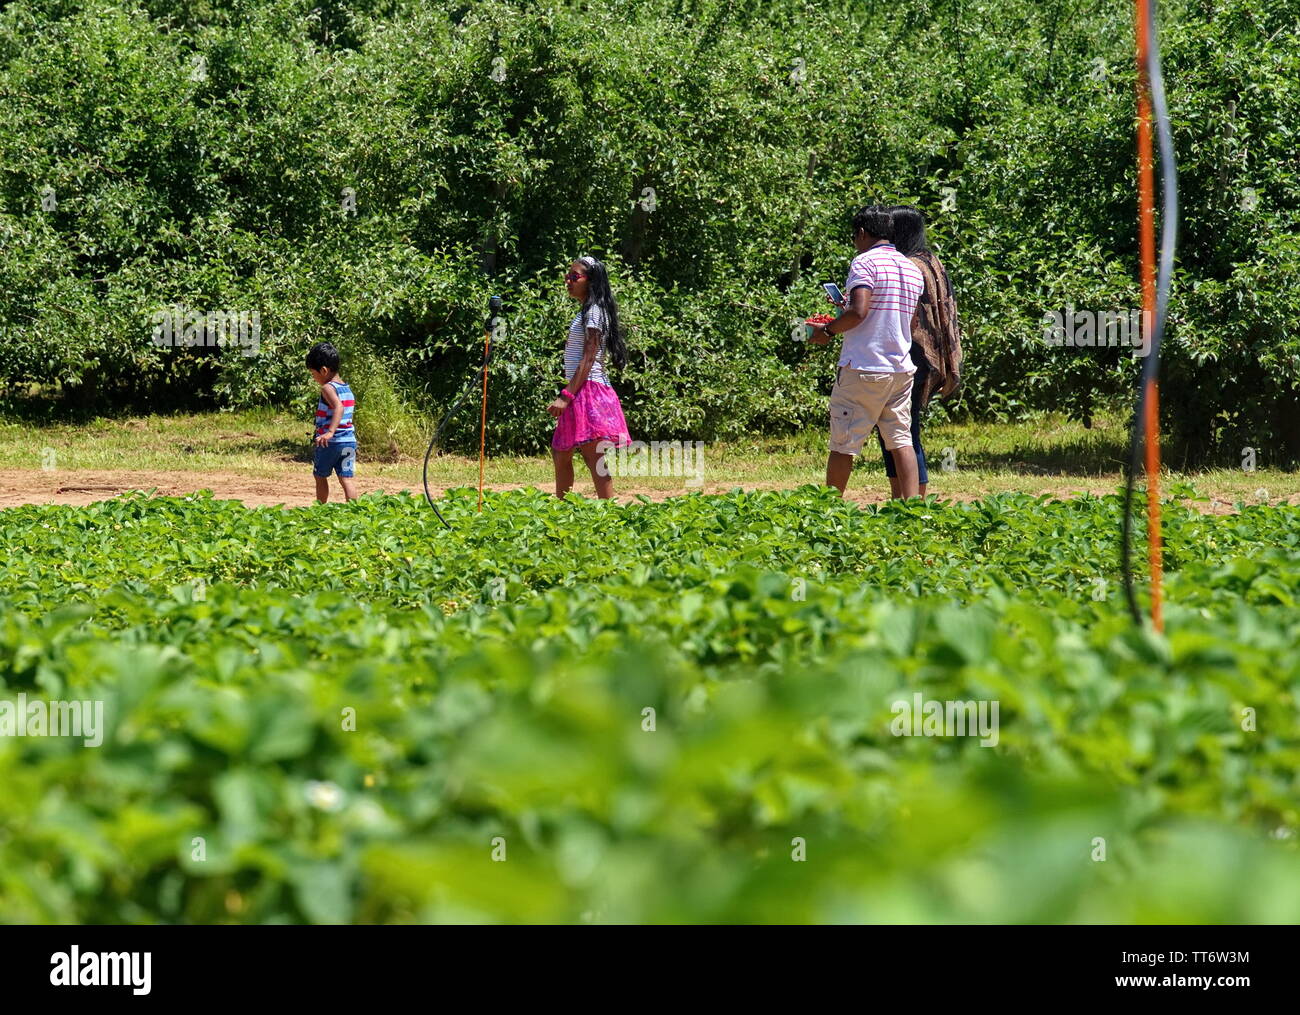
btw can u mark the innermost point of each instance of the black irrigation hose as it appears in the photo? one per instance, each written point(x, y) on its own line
point(1168, 240)
point(437, 434)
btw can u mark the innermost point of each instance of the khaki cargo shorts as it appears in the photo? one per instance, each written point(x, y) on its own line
point(862, 399)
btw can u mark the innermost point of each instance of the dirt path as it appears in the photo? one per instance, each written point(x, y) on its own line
point(85, 486)
point(293, 489)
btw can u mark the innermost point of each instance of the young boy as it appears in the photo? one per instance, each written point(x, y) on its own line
point(874, 385)
point(336, 439)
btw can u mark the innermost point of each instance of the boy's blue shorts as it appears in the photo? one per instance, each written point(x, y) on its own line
point(340, 458)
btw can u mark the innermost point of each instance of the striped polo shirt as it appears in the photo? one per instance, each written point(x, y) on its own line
point(345, 434)
point(882, 342)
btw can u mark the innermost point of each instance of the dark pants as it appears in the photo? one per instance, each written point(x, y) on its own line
point(918, 387)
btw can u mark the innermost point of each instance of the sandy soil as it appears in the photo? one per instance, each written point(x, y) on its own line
point(293, 489)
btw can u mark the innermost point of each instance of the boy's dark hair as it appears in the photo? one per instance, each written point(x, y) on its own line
point(600, 294)
point(908, 227)
point(323, 355)
point(874, 221)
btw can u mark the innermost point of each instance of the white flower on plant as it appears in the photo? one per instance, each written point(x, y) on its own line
point(324, 796)
point(368, 814)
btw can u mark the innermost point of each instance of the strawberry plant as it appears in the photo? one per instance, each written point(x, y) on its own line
point(332, 715)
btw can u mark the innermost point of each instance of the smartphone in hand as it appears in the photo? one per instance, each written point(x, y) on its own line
point(833, 293)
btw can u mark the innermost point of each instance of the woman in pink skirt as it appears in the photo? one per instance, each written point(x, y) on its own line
point(590, 418)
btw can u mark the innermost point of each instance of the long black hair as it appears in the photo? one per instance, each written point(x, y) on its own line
point(908, 226)
point(600, 295)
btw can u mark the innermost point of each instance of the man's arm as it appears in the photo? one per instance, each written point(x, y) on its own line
point(854, 314)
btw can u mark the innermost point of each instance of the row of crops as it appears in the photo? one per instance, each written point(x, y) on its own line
point(677, 711)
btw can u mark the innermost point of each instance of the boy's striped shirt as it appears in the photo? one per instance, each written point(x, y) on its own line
point(345, 434)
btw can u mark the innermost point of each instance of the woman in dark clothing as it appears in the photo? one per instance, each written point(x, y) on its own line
point(936, 336)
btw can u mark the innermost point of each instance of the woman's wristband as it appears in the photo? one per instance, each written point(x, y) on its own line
point(566, 393)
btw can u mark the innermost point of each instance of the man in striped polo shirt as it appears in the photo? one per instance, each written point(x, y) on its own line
point(874, 384)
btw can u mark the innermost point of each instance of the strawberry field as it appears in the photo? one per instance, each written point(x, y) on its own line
point(647, 712)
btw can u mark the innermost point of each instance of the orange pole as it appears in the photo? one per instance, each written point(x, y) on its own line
point(1147, 237)
point(482, 429)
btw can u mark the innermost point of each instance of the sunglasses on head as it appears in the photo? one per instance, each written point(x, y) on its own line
point(573, 276)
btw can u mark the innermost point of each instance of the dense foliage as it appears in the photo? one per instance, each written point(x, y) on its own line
point(198, 153)
point(499, 675)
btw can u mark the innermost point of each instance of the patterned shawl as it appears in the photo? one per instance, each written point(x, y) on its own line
point(935, 328)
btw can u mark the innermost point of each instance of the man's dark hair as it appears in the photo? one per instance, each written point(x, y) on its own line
point(874, 221)
point(323, 355)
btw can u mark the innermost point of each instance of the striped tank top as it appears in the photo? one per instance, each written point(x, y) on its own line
point(345, 434)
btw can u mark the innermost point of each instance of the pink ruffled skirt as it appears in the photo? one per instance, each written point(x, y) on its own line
point(596, 414)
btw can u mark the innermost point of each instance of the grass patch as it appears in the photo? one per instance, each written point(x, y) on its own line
point(1048, 455)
